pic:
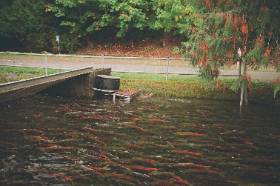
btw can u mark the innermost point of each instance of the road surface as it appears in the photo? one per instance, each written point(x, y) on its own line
point(118, 64)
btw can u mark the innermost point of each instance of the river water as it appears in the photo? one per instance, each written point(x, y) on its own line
point(159, 141)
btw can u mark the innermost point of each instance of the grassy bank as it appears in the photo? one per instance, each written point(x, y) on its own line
point(8, 74)
point(180, 86)
point(176, 86)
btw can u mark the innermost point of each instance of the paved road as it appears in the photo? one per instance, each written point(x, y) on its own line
point(121, 65)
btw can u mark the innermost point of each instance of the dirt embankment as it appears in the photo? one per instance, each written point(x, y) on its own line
point(145, 48)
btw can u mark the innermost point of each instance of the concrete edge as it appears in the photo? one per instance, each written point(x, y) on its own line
point(16, 85)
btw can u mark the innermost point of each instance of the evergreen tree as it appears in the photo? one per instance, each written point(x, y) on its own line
point(229, 31)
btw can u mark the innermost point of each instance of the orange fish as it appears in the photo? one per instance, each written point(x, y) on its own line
point(194, 134)
point(142, 168)
point(187, 152)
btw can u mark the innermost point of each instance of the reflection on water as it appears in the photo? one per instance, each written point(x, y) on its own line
point(54, 141)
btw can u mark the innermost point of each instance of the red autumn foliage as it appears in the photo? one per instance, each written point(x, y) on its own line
point(208, 4)
point(215, 72)
point(248, 79)
point(236, 22)
point(260, 40)
point(219, 2)
point(194, 55)
point(218, 84)
point(267, 52)
point(194, 29)
point(249, 82)
point(277, 81)
point(228, 19)
point(203, 61)
point(204, 47)
point(244, 26)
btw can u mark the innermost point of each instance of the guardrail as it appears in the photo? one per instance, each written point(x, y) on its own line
point(163, 65)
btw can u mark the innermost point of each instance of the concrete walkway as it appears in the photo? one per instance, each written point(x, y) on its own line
point(75, 83)
point(120, 64)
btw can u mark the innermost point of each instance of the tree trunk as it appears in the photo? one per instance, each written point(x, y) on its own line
point(245, 85)
point(239, 69)
point(240, 76)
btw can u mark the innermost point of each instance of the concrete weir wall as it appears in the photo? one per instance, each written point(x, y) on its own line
point(79, 86)
point(77, 83)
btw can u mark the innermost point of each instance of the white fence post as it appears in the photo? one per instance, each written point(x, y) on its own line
point(167, 69)
point(46, 64)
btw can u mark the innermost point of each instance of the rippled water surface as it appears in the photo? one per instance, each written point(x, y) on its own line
point(55, 141)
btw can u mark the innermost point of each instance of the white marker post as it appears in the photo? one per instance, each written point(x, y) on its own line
point(167, 69)
point(57, 39)
point(46, 63)
point(239, 53)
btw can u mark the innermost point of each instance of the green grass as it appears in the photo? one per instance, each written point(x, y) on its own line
point(27, 70)
point(8, 74)
point(176, 86)
point(182, 86)
point(10, 54)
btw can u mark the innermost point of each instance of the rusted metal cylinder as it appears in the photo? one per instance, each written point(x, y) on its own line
point(105, 82)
